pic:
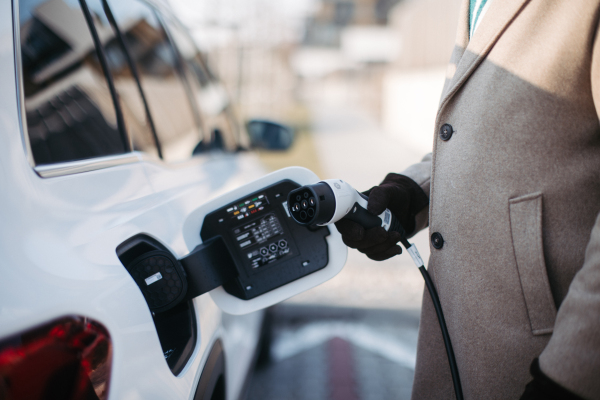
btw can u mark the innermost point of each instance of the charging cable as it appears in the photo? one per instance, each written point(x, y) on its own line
point(328, 201)
point(414, 253)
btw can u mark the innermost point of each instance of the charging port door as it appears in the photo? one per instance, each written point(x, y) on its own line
point(246, 251)
point(269, 249)
point(271, 256)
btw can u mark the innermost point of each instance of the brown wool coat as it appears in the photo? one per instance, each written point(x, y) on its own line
point(515, 193)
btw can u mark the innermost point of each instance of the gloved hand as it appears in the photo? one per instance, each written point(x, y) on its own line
point(404, 198)
point(544, 388)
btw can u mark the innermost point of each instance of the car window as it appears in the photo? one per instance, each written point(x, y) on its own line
point(147, 42)
point(211, 96)
point(137, 120)
point(189, 52)
point(69, 109)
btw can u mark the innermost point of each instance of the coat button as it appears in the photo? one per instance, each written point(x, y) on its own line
point(437, 240)
point(446, 132)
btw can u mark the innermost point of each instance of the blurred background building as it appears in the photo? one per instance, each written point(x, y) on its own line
point(360, 81)
point(277, 57)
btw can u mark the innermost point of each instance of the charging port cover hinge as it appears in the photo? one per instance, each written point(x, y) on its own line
point(208, 266)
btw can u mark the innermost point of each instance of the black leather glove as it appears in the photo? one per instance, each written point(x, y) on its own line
point(544, 388)
point(404, 198)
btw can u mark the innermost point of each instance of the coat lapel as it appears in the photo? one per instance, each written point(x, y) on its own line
point(497, 18)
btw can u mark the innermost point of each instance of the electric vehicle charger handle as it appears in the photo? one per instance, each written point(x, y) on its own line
point(328, 201)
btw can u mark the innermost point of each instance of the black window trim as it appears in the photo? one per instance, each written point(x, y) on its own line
point(108, 75)
point(134, 72)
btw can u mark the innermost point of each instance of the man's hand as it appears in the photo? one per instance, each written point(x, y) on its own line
point(376, 243)
point(544, 388)
point(404, 198)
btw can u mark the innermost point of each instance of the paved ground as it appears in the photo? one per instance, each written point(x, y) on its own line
point(331, 353)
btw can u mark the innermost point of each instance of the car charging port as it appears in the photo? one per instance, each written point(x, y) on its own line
point(145, 259)
point(250, 247)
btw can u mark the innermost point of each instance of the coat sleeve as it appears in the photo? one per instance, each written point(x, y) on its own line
point(572, 357)
point(421, 173)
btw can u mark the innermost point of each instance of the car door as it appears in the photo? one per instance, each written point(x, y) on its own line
point(70, 151)
point(95, 153)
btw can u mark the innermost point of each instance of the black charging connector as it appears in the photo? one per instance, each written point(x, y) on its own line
point(327, 202)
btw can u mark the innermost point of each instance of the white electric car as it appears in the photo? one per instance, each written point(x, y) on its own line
point(108, 132)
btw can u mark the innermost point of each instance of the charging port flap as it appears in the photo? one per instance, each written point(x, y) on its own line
point(251, 255)
point(274, 258)
point(208, 266)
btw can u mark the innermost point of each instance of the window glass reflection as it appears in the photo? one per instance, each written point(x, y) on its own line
point(132, 105)
point(70, 112)
point(189, 52)
point(219, 120)
point(167, 96)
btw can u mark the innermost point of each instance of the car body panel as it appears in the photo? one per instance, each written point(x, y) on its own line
point(58, 243)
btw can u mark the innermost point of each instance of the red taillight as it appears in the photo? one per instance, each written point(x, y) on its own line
point(66, 359)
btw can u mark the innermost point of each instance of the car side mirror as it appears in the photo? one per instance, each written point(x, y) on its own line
point(269, 135)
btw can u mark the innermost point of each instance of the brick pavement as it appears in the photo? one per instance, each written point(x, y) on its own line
point(335, 353)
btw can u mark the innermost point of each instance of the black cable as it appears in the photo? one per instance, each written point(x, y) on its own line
point(412, 250)
point(446, 336)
